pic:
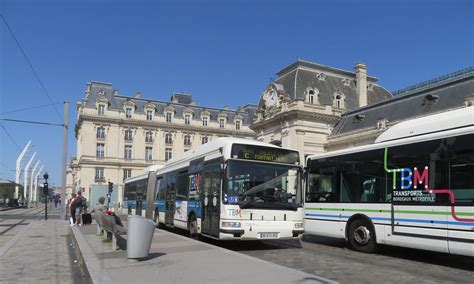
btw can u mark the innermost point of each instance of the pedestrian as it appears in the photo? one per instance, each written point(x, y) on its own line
point(72, 208)
point(55, 201)
point(80, 204)
point(100, 207)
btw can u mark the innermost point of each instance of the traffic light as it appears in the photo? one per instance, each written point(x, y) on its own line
point(45, 188)
point(111, 187)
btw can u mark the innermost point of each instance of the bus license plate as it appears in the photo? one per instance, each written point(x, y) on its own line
point(268, 235)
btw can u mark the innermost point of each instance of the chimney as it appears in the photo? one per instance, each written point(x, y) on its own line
point(361, 83)
point(138, 95)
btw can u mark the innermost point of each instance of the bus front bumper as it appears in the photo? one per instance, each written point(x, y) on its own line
point(262, 230)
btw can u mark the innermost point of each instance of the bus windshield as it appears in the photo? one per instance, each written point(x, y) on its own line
point(262, 185)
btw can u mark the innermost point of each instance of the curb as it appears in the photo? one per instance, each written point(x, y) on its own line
point(92, 266)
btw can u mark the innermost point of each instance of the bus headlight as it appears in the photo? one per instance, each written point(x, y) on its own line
point(299, 225)
point(231, 224)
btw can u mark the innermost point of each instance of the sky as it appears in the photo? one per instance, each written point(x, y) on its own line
point(220, 52)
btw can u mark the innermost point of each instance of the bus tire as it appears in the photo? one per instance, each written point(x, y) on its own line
point(361, 236)
point(192, 227)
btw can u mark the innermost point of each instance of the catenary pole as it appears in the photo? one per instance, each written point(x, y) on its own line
point(35, 193)
point(32, 180)
point(18, 168)
point(25, 175)
point(64, 160)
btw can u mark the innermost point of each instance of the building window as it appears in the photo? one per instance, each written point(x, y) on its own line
point(100, 133)
point(338, 101)
point(237, 125)
point(187, 140)
point(312, 95)
point(100, 150)
point(128, 152)
point(168, 154)
point(149, 115)
point(221, 122)
point(168, 138)
point(187, 119)
point(168, 117)
point(148, 136)
point(148, 153)
point(101, 109)
point(128, 112)
point(127, 173)
point(99, 174)
point(128, 135)
point(204, 140)
point(204, 121)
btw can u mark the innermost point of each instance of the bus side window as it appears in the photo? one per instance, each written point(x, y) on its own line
point(157, 188)
point(182, 187)
point(321, 185)
point(461, 168)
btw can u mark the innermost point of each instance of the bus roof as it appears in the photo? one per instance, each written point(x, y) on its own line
point(442, 125)
point(144, 173)
point(210, 150)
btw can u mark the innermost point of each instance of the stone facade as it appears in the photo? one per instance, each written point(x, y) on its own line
point(118, 136)
point(300, 108)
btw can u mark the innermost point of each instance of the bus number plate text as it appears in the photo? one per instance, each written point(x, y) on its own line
point(268, 235)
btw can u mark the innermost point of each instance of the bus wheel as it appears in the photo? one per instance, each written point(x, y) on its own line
point(362, 236)
point(192, 227)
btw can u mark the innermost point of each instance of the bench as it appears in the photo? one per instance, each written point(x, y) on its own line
point(107, 223)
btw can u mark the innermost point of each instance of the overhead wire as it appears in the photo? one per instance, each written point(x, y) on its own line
point(27, 108)
point(31, 66)
point(8, 134)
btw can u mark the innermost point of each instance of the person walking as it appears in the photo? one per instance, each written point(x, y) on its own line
point(72, 208)
point(79, 204)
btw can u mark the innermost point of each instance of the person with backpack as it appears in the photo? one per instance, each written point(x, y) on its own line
point(79, 204)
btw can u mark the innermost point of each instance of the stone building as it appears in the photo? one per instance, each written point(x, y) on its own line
point(300, 108)
point(118, 136)
point(363, 125)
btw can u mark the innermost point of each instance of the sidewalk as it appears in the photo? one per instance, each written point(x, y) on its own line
point(177, 259)
point(40, 252)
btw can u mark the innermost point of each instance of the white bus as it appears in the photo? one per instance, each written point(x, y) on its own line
point(233, 189)
point(137, 187)
point(414, 187)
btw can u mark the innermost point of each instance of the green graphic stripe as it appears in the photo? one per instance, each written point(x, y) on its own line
point(396, 211)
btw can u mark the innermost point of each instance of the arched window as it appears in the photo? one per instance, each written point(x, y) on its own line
point(312, 95)
point(338, 101)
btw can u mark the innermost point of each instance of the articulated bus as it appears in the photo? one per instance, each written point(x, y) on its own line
point(414, 187)
point(137, 186)
point(233, 189)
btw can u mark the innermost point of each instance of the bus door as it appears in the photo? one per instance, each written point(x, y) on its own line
point(211, 198)
point(170, 201)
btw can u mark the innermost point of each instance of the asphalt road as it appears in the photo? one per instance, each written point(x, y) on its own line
point(330, 258)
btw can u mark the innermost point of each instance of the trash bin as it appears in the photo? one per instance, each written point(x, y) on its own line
point(139, 236)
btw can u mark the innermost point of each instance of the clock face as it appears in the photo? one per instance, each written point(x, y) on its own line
point(272, 98)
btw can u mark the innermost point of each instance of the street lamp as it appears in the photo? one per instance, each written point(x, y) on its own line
point(45, 192)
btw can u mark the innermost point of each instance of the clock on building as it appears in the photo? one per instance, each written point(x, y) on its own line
point(272, 98)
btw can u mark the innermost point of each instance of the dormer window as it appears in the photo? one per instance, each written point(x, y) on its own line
point(101, 109)
point(346, 82)
point(187, 119)
point(321, 77)
point(221, 122)
point(338, 101)
point(168, 117)
point(237, 125)
point(312, 95)
point(205, 121)
point(102, 93)
point(128, 112)
point(149, 115)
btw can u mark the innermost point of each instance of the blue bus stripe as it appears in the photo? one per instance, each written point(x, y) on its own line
point(397, 220)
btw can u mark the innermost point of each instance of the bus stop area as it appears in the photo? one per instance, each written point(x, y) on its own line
point(177, 259)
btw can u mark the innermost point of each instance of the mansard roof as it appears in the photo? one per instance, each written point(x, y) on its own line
point(297, 77)
point(96, 90)
point(433, 96)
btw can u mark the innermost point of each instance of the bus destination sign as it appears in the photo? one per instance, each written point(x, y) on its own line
point(267, 154)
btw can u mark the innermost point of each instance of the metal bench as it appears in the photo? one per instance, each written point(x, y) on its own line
point(112, 229)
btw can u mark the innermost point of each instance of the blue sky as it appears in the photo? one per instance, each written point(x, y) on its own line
point(221, 52)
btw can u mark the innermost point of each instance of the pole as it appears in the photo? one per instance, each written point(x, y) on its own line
point(32, 179)
point(64, 161)
point(25, 175)
point(35, 192)
point(46, 193)
point(18, 168)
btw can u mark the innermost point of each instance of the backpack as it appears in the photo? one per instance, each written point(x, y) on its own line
point(83, 201)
